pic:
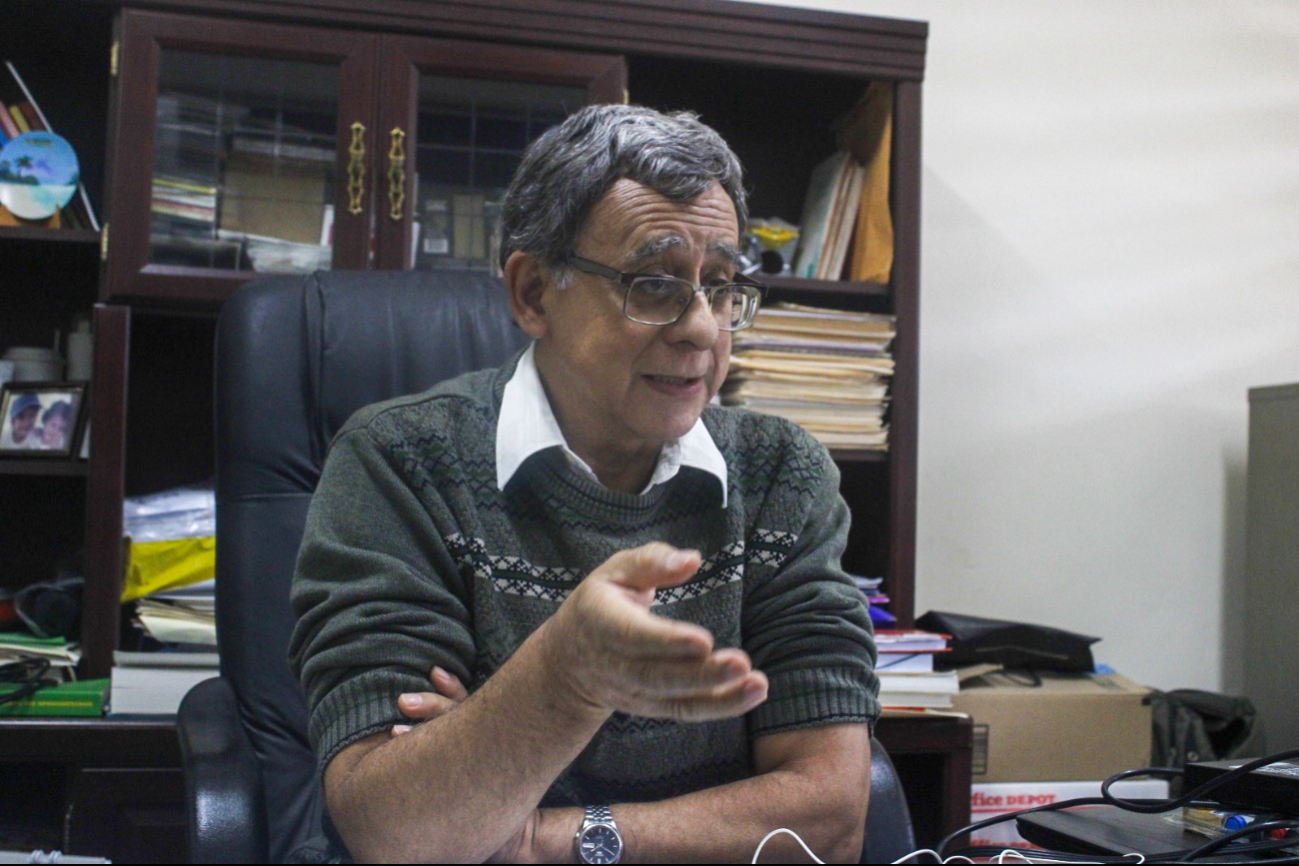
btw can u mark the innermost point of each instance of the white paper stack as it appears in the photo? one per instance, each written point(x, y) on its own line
point(155, 683)
point(827, 370)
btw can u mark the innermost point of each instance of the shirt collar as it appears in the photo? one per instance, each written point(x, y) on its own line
point(527, 425)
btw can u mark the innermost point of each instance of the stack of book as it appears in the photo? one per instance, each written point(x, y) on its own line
point(827, 370)
point(188, 148)
point(906, 671)
point(193, 203)
point(154, 683)
point(847, 228)
point(873, 589)
point(62, 694)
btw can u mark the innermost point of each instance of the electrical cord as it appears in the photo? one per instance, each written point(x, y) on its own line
point(28, 673)
point(1148, 807)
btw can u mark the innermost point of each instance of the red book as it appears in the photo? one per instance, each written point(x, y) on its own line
point(33, 119)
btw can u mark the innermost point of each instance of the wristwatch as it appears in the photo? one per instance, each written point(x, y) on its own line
point(598, 839)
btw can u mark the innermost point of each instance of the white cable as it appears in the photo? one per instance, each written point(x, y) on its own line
point(796, 839)
point(955, 858)
point(1030, 857)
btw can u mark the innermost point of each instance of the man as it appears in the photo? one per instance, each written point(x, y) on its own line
point(643, 593)
point(22, 420)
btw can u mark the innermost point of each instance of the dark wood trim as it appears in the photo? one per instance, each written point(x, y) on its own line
point(405, 58)
point(721, 30)
point(38, 233)
point(91, 742)
point(837, 287)
point(858, 455)
point(64, 466)
point(144, 36)
point(905, 405)
point(948, 737)
point(105, 488)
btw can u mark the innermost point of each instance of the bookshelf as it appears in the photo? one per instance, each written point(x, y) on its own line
point(770, 79)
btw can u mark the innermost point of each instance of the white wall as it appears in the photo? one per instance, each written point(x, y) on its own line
point(1110, 260)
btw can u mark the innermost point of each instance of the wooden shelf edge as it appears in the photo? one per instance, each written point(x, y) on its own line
point(38, 233)
point(43, 466)
point(858, 455)
point(843, 287)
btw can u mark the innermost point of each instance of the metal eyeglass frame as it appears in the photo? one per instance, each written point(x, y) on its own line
point(627, 280)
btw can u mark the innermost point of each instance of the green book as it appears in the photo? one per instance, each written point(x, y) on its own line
point(80, 698)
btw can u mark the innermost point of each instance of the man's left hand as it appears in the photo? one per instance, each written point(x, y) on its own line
point(422, 706)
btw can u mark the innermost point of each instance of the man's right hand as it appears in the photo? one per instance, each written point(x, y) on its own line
point(605, 647)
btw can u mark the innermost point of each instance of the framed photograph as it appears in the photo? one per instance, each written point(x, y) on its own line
point(41, 419)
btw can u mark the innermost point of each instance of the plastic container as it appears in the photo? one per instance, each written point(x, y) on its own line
point(34, 364)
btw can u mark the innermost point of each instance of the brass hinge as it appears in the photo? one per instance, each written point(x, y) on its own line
point(626, 97)
point(103, 243)
point(112, 58)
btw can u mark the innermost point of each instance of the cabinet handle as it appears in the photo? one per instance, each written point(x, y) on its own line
point(397, 173)
point(356, 168)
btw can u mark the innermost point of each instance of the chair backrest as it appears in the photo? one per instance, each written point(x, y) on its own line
point(296, 356)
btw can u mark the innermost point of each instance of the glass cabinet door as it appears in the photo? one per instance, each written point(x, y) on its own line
point(241, 149)
point(455, 120)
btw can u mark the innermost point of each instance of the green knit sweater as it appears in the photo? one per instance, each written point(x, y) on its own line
point(412, 557)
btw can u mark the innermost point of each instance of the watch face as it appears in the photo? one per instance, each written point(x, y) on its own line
point(600, 844)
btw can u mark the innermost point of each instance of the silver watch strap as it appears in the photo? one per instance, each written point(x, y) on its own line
point(598, 815)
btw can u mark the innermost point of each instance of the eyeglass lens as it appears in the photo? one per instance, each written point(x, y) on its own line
point(660, 301)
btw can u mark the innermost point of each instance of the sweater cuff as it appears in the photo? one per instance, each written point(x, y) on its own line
point(815, 697)
point(357, 708)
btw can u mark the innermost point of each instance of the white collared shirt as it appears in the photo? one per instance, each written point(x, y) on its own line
point(528, 425)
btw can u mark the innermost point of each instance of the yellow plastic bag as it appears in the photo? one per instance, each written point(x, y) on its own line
point(152, 566)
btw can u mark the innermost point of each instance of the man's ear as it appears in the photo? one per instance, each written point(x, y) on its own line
point(526, 281)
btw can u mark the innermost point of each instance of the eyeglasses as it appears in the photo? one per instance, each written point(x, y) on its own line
point(660, 300)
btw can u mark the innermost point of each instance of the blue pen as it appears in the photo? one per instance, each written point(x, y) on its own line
point(1218, 819)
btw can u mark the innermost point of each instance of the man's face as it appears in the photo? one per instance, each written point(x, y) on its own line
point(24, 423)
point(617, 383)
point(52, 432)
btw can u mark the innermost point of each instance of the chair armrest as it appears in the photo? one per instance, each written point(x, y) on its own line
point(889, 835)
point(224, 803)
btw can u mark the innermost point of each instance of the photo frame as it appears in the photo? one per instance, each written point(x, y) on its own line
point(41, 419)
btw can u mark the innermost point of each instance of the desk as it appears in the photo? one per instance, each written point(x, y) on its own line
point(1110, 830)
point(933, 756)
point(123, 790)
point(95, 786)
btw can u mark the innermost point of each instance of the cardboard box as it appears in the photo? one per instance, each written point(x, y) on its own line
point(283, 199)
point(988, 800)
point(1072, 726)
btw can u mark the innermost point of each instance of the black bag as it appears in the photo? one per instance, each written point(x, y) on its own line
point(1191, 725)
point(976, 640)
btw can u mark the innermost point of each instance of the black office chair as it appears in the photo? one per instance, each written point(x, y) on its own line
point(296, 356)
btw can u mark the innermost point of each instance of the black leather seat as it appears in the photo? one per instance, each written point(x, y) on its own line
point(296, 356)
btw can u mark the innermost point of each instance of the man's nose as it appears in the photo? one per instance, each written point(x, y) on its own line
point(698, 324)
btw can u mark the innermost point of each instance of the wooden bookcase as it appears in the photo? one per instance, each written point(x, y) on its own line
point(770, 79)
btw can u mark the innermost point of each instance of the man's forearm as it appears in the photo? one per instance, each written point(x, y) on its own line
point(460, 786)
point(824, 804)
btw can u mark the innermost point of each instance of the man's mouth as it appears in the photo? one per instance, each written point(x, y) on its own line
point(675, 380)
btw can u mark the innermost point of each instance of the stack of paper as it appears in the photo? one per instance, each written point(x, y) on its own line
point(62, 656)
point(906, 670)
point(186, 615)
point(824, 369)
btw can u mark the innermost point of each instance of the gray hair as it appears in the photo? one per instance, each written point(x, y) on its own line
point(570, 167)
